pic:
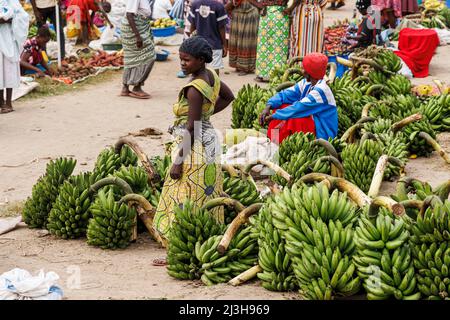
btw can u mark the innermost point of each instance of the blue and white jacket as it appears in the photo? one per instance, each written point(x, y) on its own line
point(305, 101)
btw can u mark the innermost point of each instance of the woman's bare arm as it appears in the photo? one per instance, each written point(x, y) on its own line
point(226, 96)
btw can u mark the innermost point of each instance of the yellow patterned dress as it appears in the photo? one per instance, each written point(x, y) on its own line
point(201, 178)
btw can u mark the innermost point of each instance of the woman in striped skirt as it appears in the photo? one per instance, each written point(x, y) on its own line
point(243, 35)
point(306, 27)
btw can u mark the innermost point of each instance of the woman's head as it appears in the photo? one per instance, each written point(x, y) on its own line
point(195, 52)
point(362, 6)
point(43, 36)
point(315, 66)
point(106, 6)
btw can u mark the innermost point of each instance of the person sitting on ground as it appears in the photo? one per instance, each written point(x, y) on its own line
point(367, 33)
point(31, 60)
point(308, 106)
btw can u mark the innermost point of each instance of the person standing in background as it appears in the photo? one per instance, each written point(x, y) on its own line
point(243, 35)
point(13, 33)
point(273, 38)
point(390, 10)
point(409, 7)
point(46, 10)
point(208, 19)
point(336, 4)
point(307, 27)
point(161, 9)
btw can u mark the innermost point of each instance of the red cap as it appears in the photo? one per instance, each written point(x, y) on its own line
point(315, 64)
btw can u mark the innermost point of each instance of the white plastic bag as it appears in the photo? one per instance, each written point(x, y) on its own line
point(19, 284)
point(108, 36)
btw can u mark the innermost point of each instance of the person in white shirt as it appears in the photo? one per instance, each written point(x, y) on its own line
point(162, 8)
point(13, 33)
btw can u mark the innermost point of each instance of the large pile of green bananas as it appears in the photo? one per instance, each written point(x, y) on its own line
point(190, 226)
point(109, 161)
point(293, 144)
point(45, 191)
point(398, 84)
point(318, 229)
point(112, 222)
point(260, 106)
point(431, 251)
point(242, 254)
point(383, 257)
point(243, 113)
point(389, 60)
point(277, 274)
point(285, 73)
point(70, 214)
point(360, 160)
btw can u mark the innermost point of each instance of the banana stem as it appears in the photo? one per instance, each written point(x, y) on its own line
point(367, 135)
point(294, 60)
point(378, 176)
point(371, 63)
point(388, 203)
point(366, 119)
point(412, 204)
point(435, 146)
point(290, 71)
point(147, 219)
point(138, 199)
point(353, 192)
point(230, 170)
point(223, 201)
point(151, 172)
point(429, 202)
point(284, 85)
point(402, 123)
point(349, 135)
point(234, 226)
point(122, 184)
point(245, 276)
point(333, 70)
point(344, 62)
point(278, 170)
point(327, 146)
point(366, 108)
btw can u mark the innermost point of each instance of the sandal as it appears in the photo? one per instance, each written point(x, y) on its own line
point(138, 95)
point(159, 262)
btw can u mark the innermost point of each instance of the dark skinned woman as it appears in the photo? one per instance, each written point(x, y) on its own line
point(196, 171)
point(138, 48)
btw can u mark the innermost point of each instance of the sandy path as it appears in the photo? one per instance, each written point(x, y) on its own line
point(82, 124)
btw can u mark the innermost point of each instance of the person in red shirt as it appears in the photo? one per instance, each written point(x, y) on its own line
point(78, 14)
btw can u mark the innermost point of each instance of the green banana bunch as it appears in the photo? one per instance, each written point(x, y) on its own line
point(384, 259)
point(242, 254)
point(240, 189)
point(293, 144)
point(191, 225)
point(137, 178)
point(284, 73)
point(277, 274)
point(162, 166)
point(344, 122)
point(45, 191)
point(412, 189)
point(398, 84)
point(389, 60)
point(318, 229)
point(243, 108)
point(394, 145)
point(360, 160)
point(337, 144)
point(377, 77)
point(381, 125)
point(109, 161)
point(417, 145)
point(112, 222)
point(70, 213)
point(431, 250)
point(260, 106)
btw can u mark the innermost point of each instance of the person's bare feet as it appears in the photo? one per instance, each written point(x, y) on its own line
point(6, 108)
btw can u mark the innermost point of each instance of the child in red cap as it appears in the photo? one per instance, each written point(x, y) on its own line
point(308, 106)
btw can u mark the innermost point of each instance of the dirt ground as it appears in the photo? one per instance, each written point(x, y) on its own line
point(81, 124)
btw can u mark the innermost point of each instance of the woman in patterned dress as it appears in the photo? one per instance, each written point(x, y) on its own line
point(307, 27)
point(390, 10)
point(196, 170)
point(243, 35)
point(273, 38)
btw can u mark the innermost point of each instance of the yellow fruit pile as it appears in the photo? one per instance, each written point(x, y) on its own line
point(162, 23)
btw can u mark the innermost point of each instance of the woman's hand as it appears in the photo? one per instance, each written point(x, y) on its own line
point(287, 12)
point(139, 42)
point(175, 171)
point(264, 115)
